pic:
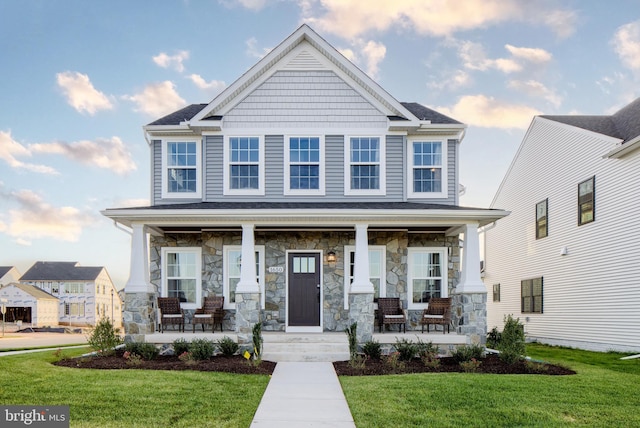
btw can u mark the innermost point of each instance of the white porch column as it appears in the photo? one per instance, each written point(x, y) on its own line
point(248, 282)
point(361, 282)
point(138, 281)
point(470, 281)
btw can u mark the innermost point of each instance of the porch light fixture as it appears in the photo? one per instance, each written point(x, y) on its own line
point(331, 257)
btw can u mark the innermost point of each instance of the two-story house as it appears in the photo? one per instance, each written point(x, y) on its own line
point(301, 193)
point(566, 260)
point(85, 293)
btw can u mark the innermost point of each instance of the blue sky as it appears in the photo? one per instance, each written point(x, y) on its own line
point(79, 80)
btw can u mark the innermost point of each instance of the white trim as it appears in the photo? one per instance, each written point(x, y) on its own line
point(260, 249)
point(287, 171)
point(304, 329)
point(382, 190)
point(198, 273)
point(198, 167)
point(348, 250)
point(444, 292)
point(443, 168)
point(227, 161)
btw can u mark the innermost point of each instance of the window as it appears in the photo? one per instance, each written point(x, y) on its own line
point(377, 271)
point(244, 171)
point(541, 219)
point(586, 201)
point(531, 295)
point(73, 288)
point(181, 275)
point(231, 273)
point(304, 166)
point(181, 169)
point(364, 166)
point(74, 309)
point(427, 275)
point(496, 292)
point(427, 169)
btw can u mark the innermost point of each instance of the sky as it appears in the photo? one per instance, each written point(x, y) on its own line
point(79, 79)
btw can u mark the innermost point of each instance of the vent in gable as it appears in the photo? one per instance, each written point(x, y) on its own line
point(305, 60)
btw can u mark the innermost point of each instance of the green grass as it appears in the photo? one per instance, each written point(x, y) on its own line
point(604, 393)
point(131, 398)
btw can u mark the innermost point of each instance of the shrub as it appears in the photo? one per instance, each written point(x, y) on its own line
point(180, 346)
point(353, 340)
point(104, 337)
point(358, 362)
point(512, 345)
point(132, 359)
point(257, 341)
point(147, 351)
point(393, 361)
point(227, 346)
point(202, 349)
point(426, 349)
point(470, 366)
point(372, 349)
point(406, 349)
point(467, 353)
point(493, 338)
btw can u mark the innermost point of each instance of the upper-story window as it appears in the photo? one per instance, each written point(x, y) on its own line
point(542, 227)
point(244, 168)
point(304, 166)
point(181, 176)
point(427, 169)
point(364, 166)
point(586, 201)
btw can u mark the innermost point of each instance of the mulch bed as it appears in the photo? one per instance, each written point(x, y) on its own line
point(238, 364)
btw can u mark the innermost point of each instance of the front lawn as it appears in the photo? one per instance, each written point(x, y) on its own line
point(604, 393)
point(131, 398)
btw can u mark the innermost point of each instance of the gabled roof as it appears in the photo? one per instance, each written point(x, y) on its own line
point(61, 271)
point(184, 114)
point(32, 290)
point(4, 270)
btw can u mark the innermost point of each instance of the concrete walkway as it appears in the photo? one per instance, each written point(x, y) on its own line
point(303, 394)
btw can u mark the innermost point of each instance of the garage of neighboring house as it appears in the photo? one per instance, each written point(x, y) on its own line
point(29, 305)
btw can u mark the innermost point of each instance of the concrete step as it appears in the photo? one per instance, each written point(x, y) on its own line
point(280, 347)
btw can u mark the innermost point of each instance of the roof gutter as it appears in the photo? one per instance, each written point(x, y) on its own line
point(624, 149)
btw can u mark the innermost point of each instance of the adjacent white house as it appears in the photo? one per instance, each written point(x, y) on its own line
point(302, 193)
point(8, 275)
point(28, 305)
point(566, 261)
point(86, 293)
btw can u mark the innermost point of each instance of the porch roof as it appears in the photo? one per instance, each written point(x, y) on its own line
point(199, 216)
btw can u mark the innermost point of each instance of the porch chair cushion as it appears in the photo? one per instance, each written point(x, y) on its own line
point(438, 313)
point(390, 312)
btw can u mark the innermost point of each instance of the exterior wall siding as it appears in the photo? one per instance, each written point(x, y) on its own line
point(156, 168)
point(591, 295)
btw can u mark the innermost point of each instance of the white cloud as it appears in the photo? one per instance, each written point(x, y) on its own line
point(254, 5)
point(81, 94)
point(487, 112)
point(122, 203)
point(535, 55)
point(35, 219)
point(157, 99)
point(254, 51)
point(536, 89)
point(366, 54)
point(626, 43)
point(109, 154)
point(451, 80)
point(11, 150)
point(212, 86)
point(172, 61)
point(474, 57)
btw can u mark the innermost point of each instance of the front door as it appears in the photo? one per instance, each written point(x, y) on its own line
point(304, 291)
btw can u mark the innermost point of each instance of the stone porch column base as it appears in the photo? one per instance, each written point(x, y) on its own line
point(361, 311)
point(470, 316)
point(139, 316)
point(247, 315)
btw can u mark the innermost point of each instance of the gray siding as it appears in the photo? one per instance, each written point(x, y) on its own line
point(395, 154)
point(334, 166)
point(213, 167)
point(156, 168)
point(274, 173)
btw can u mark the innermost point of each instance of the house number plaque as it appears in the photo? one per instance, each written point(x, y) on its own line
point(276, 269)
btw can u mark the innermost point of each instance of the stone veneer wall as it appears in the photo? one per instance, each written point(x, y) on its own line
point(335, 317)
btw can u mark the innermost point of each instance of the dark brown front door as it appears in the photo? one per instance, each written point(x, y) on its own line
point(304, 289)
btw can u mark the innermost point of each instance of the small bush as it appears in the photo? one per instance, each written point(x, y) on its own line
point(426, 349)
point(257, 341)
point(132, 359)
point(227, 346)
point(180, 346)
point(466, 353)
point(393, 361)
point(104, 337)
point(148, 351)
point(358, 362)
point(372, 349)
point(512, 342)
point(187, 358)
point(470, 366)
point(536, 367)
point(493, 338)
point(353, 340)
point(406, 349)
point(202, 349)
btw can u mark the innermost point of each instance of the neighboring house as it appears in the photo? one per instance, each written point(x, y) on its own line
point(8, 274)
point(566, 261)
point(301, 193)
point(27, 304)
point(86, 293)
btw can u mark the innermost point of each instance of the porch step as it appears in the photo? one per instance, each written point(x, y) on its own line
point(301, 347)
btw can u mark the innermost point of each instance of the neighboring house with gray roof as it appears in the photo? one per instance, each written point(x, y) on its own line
point(302, 193)
point(85, 293)
point(565, 261)
point(28, 305)
point(8, 274)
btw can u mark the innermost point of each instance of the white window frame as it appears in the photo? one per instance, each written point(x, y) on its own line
point(165, 285)
point(382, 190)
point(287, 171)
point(348, 249)
point(165, 169)
point(227, 167)
point(260, 249)
point(444, 277)
point(443, 168)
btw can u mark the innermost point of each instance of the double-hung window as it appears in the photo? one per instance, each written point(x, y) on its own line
point(182, 275)
point(427, 275)
point(304, 166)
point(586, 201)
point(181, 177)
point(377, 270)
point(542, 226)
point(531, 295)
point(244, 166)
point(231, 273)
point(364, 166)
point(427, 172)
